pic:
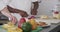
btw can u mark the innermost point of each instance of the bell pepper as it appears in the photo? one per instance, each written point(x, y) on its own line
point(26, 27)
point(33, 23)
point(22, 20)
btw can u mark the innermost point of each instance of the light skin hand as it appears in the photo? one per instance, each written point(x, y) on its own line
point(8, 14)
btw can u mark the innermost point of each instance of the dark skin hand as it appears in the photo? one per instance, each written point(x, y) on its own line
point(34, 10)
point(21, 12)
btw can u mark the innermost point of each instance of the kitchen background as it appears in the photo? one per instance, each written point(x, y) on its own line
point(45, 7)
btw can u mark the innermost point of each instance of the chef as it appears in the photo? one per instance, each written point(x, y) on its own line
point(22, 6)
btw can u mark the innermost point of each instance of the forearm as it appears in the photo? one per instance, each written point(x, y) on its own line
point(6, 12)
point(36, 5)
point(34, 9)
point(13, 10)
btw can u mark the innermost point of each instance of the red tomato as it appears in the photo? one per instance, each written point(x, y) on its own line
point(22, 20)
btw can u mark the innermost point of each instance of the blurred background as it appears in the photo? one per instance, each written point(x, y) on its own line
point(45, 8)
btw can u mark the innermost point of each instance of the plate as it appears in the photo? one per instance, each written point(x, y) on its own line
point(46, 26)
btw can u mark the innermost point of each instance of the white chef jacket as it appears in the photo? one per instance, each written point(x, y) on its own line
point(24, 5)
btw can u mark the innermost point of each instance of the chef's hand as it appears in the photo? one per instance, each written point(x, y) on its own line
point(13, 19)
point(33, 12)
point(23, 14)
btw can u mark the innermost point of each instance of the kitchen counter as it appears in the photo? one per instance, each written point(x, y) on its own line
point(44, 30)
point(49, 29)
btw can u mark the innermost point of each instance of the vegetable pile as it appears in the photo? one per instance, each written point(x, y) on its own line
point(23, 26)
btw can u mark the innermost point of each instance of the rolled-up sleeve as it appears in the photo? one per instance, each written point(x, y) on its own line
point(3, 4)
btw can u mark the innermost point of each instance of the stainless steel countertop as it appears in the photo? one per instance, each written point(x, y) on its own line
point(50, 28)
